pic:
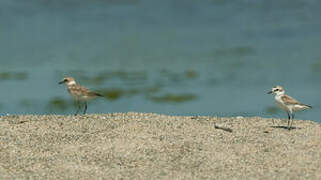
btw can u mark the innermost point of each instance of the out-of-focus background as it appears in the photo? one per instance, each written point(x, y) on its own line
point(178, 57)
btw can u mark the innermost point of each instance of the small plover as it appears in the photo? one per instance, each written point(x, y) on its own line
point(79, 93)
point(287, 103)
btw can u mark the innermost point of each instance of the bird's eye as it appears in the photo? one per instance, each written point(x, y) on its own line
point(276, 89)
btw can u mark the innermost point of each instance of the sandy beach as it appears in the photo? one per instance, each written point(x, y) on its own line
point(153, 146)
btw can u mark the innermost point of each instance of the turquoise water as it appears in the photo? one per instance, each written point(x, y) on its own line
point(182, 57)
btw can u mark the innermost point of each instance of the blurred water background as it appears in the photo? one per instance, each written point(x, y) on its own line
point(178, 57)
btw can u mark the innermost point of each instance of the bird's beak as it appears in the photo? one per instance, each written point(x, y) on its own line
point(61, 82)
point(270, 92)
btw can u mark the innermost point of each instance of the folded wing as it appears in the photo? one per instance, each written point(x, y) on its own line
point(288, 100)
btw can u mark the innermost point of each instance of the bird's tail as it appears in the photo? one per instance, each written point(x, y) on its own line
point(100, 95)
point(308, 106)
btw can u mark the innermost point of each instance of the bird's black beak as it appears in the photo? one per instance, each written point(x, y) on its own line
point(270, 92)
point(61, 82)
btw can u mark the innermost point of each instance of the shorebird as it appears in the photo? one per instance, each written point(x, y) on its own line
point(287, 103)
point(79, 93)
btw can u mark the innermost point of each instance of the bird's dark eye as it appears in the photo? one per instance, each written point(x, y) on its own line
point(276, 89)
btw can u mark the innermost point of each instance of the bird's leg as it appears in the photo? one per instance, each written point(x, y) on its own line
point(289, 118)
point(273, 121)
point(85, 108)
point(79, 107)
point(292, 120)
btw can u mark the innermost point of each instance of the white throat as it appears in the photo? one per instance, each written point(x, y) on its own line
point(279, 93)
point(71, 83)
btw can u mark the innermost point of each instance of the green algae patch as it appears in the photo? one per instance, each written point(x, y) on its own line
point(272, 110)
point(117, 93)
point(58, 103)
point(153, 89)
point(316, 67)
point(13, 76)
point(25, 103)
point(178, 77)
point(191, 74)
point(112, 94)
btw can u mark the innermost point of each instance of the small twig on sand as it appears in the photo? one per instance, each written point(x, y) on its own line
point(223, 128)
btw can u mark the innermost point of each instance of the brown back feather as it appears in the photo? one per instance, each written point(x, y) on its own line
point(290, 100)
point(82, 90)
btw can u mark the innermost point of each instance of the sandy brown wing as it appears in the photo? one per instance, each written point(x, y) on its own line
point(290, 100)
point(79, 90)
point(87, 91)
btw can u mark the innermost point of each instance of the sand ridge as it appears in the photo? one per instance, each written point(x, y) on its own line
point(153, 146)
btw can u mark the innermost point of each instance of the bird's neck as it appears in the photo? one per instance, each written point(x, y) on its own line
point(279, 94)
point(71, 83)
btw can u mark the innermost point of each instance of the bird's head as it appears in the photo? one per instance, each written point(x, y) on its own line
point(68, 81)
point(278, 90)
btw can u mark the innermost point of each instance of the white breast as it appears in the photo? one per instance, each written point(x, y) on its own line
point(279, 102)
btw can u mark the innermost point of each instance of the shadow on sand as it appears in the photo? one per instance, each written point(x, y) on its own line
point(285, 127)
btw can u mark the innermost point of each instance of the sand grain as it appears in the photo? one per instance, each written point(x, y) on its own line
point(152, 146)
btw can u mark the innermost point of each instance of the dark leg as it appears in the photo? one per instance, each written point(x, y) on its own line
point(289, 118)
point(79, 107)
point(292, 120)
point(85, 108)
